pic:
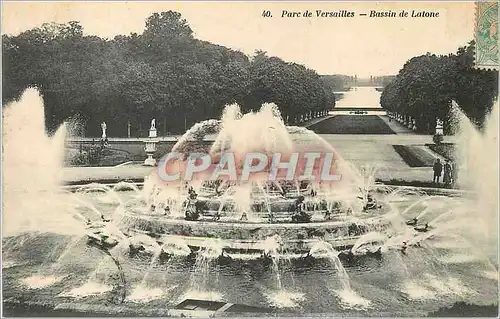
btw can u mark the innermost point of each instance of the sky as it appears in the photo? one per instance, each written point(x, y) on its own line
point(360, 45)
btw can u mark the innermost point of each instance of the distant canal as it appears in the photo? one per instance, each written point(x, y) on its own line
point(360, 96)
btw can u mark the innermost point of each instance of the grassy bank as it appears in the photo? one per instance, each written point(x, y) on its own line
point(446, 150)
point(352, 124)
point(414, 155)
point(415, 183)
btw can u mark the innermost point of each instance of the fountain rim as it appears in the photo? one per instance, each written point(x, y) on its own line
point(247, 245)
point(74, 186)
point(250, 225)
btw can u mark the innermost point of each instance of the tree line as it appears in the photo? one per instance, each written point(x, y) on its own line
point(163, 73)
point(426, 84)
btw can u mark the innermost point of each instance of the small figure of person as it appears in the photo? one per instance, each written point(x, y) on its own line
point(447, 173)
point(437, 168)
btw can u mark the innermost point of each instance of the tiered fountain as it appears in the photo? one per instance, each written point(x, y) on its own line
point(242, 214)
point(150, 144)
point(243, 242)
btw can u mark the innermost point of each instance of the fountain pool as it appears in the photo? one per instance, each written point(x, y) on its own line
point(65, 271)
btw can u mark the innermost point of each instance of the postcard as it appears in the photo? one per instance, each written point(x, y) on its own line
point(250, 159)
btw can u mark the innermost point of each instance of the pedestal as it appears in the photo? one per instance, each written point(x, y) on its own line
point(410, 123)
point(439, 127)
point(150, 161)
point(150, 148)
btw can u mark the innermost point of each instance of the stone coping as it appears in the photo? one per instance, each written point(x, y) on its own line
point(427, 190)
point(251, 225)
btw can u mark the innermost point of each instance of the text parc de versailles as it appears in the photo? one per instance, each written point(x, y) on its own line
point(350, 14)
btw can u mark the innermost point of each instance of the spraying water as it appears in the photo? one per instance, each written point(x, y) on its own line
point(477, 156)
point(33, 162)
point(347, 295)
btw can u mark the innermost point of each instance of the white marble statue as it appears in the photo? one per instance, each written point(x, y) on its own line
point(439, 127)
point(153, 124)
point(103, 127)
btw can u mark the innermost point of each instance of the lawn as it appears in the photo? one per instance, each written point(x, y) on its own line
point(446, 150)
point(352, 124)
point(414, 155)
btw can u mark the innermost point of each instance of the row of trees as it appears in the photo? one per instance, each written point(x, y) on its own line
point(339, 82)
point(426, 84)
point(163, 73)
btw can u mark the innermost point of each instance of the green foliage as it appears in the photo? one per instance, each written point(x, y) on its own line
point(437, 139)
point(338, 82)
point(426, 84)
point(164, 73)
point(87, 156)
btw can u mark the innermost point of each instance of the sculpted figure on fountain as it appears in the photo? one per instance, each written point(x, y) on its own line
point(371, 203)
point(190, 209)
point(300, 215)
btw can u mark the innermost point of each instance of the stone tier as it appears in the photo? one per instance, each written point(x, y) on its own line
point(251, 236)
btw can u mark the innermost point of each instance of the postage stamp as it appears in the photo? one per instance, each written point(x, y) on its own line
point(486, 35)
point(241, 159)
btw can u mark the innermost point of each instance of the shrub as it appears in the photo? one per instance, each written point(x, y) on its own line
point(437, 139)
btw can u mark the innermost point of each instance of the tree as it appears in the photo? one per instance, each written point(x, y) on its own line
point(426, 84)
point(164, 73)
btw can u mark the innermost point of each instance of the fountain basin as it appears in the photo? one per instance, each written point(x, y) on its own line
point(246, 236)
